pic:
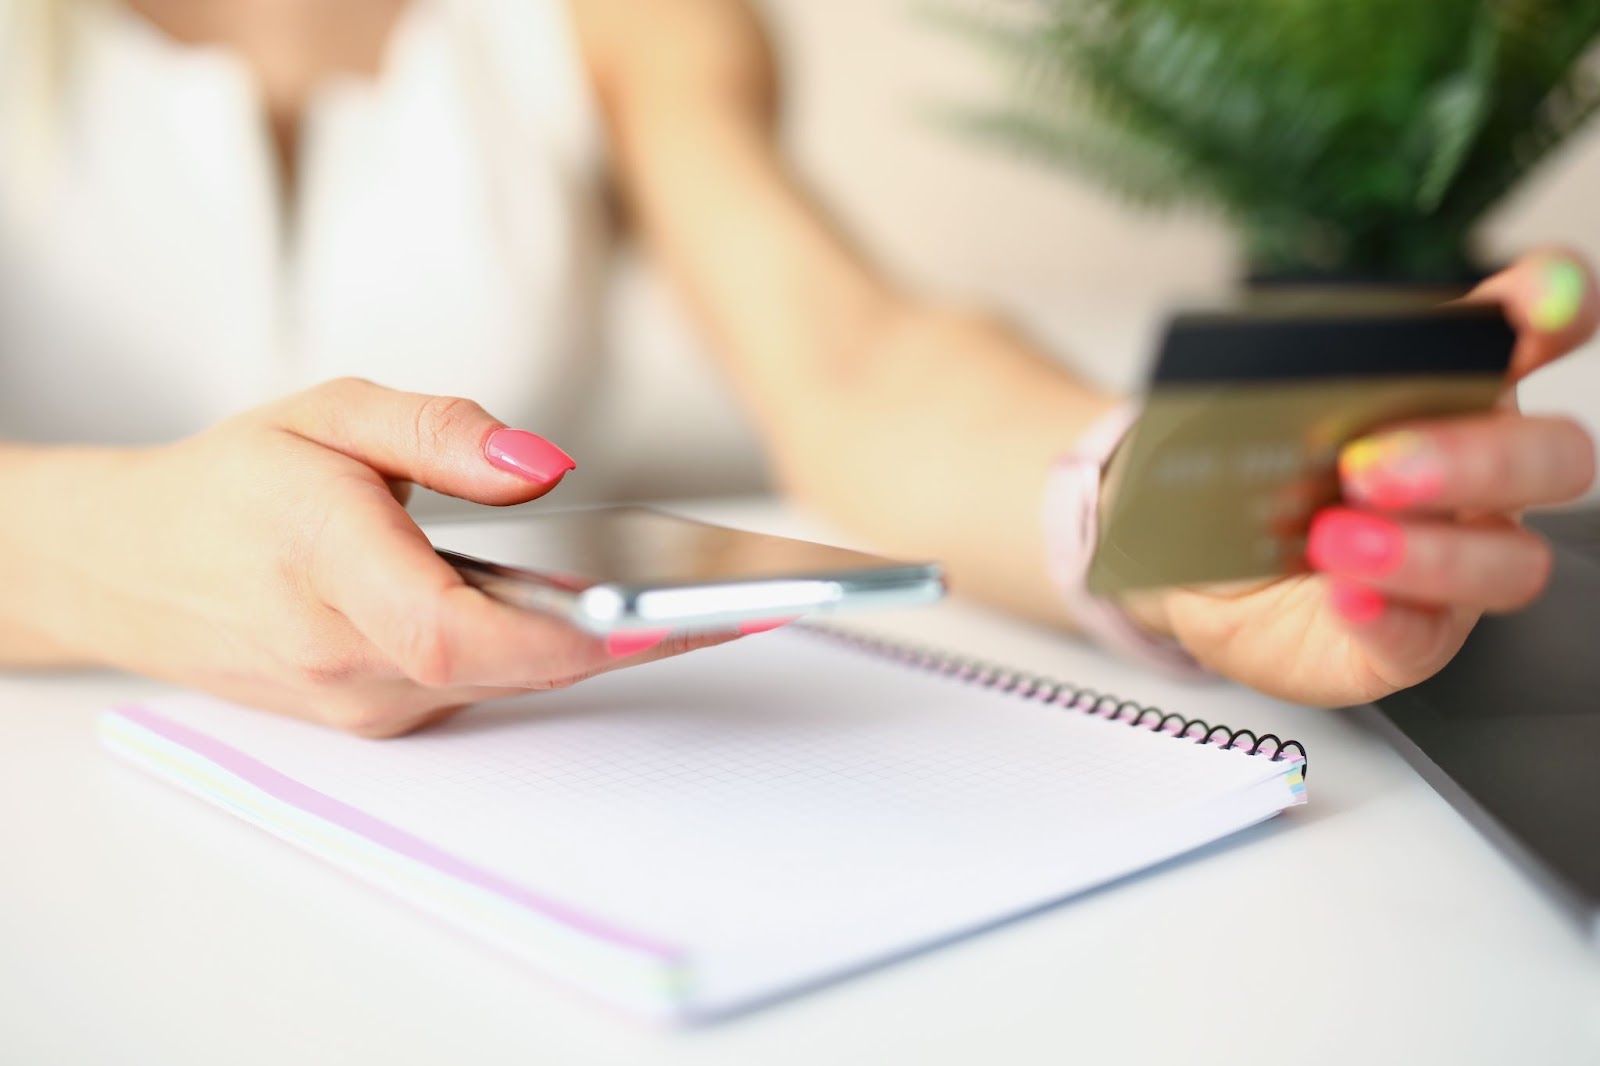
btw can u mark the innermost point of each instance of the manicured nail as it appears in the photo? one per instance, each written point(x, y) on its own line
point(622, 645)
point(1356, 604)
point(527, 455)
point(1349, 542)
point(762, 625)
point(1560, 297)
point(1392, 470)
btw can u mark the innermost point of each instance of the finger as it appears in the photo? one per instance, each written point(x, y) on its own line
point(377, 569)
point(395, 708)
point(439, 714)
point(629, 653)
point(1495, 462)
point(445, 443)
point(1551, 299)
point(392, 708)
point(1400, 643)
point(367, 707)
point(379, 710)
point(1492, 569)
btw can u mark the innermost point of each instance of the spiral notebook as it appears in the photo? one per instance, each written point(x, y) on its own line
point(695, 836)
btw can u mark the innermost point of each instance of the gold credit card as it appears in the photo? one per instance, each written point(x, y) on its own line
point(1238, 443)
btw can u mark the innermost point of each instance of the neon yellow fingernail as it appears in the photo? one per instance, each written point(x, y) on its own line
point(1361, 456)
point(1369, 453)
point(1392, 470)
point(1562, 299)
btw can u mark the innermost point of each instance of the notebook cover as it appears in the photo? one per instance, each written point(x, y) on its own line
point(700, 835)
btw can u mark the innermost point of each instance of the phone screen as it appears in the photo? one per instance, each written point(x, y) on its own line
point(638, 546)
point(626, 567)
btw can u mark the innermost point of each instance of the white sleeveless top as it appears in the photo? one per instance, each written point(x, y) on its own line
point(446, 237)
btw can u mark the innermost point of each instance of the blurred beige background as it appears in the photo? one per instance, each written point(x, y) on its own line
point(1086, 276)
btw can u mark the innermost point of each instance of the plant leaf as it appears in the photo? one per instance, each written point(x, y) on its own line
point(1362, 135)
point(1455, 114)
point(1140, 173)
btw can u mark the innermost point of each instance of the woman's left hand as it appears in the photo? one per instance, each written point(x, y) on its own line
point(1428, 539)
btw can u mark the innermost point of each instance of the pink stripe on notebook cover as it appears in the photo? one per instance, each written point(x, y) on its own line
point(320, 805)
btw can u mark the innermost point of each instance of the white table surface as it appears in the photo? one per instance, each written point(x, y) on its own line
point(138, 925)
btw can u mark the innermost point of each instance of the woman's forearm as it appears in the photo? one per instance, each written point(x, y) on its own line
point(930, 432)
point(47, 494)
point(926, 430)
point(940, 445)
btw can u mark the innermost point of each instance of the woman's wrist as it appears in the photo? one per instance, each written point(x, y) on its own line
point(1136, 626)
point(60, 509)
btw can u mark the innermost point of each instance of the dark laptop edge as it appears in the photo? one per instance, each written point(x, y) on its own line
point(1553, 643)
point(1574, 905)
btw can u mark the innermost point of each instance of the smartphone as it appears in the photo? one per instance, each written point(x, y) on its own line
point(1238, 443)
point(626, 569)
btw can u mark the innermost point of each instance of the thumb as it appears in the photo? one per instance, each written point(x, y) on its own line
point(444, 443)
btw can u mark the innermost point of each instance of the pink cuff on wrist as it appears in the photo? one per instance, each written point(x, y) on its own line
point(1072, 528)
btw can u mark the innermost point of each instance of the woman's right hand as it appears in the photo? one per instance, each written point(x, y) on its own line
point(1428, 538)
point(270, 560)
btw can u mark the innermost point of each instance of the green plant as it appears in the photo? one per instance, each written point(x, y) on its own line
point(1344, 138)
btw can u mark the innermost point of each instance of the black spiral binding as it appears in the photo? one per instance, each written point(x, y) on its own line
point(1065, 695)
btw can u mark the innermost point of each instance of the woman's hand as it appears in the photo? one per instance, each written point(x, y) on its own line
point(1428, 539)
point(270, 560)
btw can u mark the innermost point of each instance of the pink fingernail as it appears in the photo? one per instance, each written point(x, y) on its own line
point(762, 625)
point(527, 455)
point(622, 645)
point(1356, 604)
point(1393, 470)
point(1356, 544)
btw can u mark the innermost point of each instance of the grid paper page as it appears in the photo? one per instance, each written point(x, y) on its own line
point(781, 805)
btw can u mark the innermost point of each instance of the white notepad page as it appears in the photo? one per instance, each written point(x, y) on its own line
point(766, 814)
